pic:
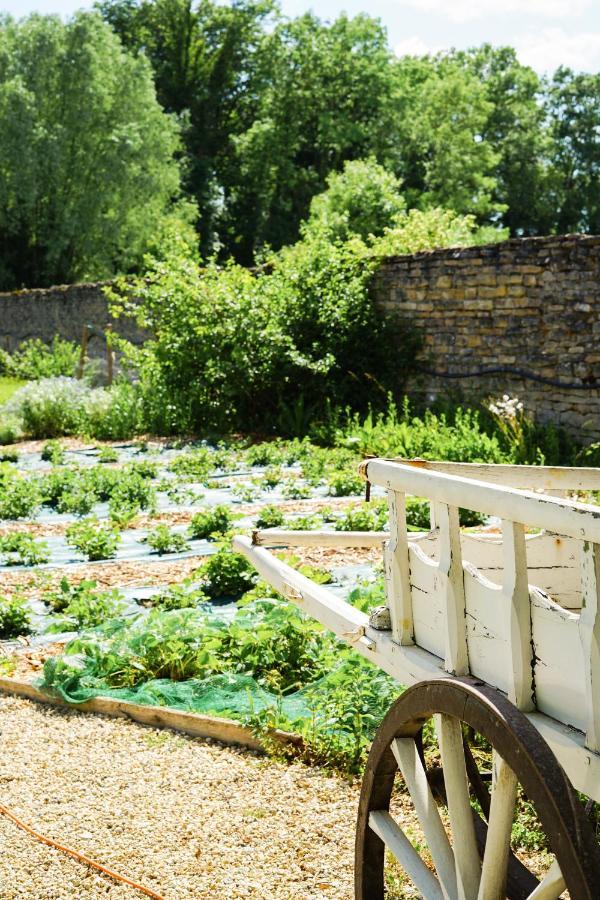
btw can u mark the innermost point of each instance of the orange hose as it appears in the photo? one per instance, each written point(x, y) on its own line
point(79, 856)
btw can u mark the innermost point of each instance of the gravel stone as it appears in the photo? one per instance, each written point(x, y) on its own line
point(182, 816)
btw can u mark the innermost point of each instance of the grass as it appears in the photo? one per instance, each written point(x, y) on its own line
point(8, 386)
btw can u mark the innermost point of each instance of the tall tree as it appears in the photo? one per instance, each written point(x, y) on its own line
point(514, 128)
point(86, 159)
point(443, 156)
point(573, 110)
point(207, 61)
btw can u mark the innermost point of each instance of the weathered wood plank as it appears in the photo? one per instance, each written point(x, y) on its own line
point(397, 573)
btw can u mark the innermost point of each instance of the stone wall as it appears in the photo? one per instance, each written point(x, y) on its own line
point(45, 312)
point(521, 317)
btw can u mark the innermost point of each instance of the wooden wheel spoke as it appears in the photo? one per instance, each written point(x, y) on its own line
point(466, 853)
point(409, 762)
point(497, 846)
point(396, 841)
point(551, 886)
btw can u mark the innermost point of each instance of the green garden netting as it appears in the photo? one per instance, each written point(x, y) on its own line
point(321, 678)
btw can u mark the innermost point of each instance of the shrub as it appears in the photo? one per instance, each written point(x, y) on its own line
point(21, 549)
point(15, 617)
point(113, 414)
point(94, 539)
point(196, 465)
point(9, 454)
point(226, 574)
point(270, 517)
point(213, 521)
point(34, 359)
point(51, 407)
point(162, 540)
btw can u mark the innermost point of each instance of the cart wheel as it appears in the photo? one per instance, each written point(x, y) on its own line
point(466, 826)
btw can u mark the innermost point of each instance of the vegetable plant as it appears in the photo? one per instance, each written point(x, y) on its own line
point(226, 574)
point(108, 455)
point(18, 548)
point(270, 517)
point(53, 452)
point(345, 484)
point(162, 540)
point(211, 521)
point(15, 617)
point(94, 539)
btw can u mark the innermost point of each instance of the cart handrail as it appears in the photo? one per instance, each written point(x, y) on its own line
point(546, 478)
point(577, 520)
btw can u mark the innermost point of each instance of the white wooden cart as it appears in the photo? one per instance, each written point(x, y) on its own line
point(498, 637)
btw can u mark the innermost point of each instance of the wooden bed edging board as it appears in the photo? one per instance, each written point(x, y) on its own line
point(224, 730)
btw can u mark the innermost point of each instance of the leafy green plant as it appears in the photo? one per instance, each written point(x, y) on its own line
point(178, 596)
point(53, 452)
point(226, 574)
point(33, 359)
point(272, 476)
point(21, 549)
point(212, 521)
point(9, 454)
point(270, 517)
point(94, 539)
point(108, 455)
point(367, 517)
point(345, 484)
point(162, 540)
point(19, 495)
point(195, 465)
point(304, 523)
point(59, 598)
point(294, 489)
point(15, 617)
point(245, 491)
point(88, 608)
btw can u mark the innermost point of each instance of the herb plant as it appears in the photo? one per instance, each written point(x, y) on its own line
point(162, 540)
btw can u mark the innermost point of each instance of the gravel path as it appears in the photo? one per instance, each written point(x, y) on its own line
point(185, 817)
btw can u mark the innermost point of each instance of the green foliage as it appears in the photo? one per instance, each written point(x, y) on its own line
point(363, 200)
point(162, 540)
point(108, 455)
point(232, 347)
point(59, 598)
point(457, 436)
point(19, 495)
point(178, 596)
point(345, 484)
point(9, 454)
point(226, 574)
point(53, 452)
point(51, 407)
point(367, 517)
point(18, 548)
point(213, 521)
point(84, 607)
point(196, 465)
point(304, 523)
point(294, 489)
point(33, 359)
point(270, 517)
point(83, 185)
point(15, 617)
point(94, 539)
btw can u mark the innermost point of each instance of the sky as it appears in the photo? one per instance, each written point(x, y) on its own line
point(546, 33)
